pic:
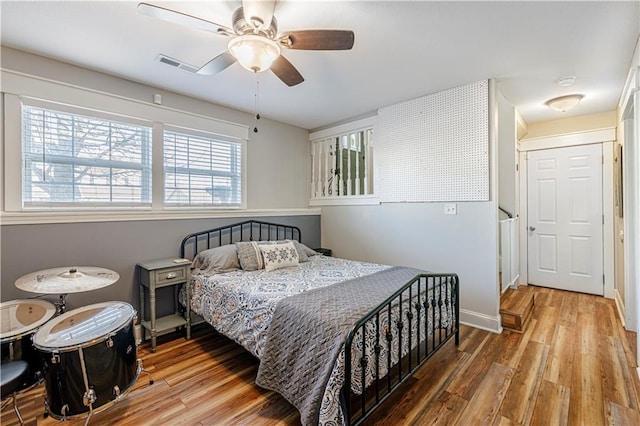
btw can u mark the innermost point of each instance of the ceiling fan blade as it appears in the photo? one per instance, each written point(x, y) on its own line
point(217, 64)
point(286, 72)
point(318, 39)
point(181, 18)
point(260, 9)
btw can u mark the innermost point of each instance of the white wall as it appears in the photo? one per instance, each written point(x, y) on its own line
point(278, 155)
point(507, 181)
point(422, 236)
point(629, 135)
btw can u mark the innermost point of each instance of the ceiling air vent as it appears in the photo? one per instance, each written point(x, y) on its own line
point(175, 63)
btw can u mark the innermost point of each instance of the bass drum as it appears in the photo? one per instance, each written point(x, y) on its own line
point(19, 320)
point(89, 357)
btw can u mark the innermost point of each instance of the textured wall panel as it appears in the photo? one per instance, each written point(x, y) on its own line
point(435, 148)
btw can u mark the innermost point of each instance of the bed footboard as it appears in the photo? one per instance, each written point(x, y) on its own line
point(390, 343)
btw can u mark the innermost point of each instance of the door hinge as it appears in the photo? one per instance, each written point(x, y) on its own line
point(602, 278)
point(603, 219)
point(602, 159)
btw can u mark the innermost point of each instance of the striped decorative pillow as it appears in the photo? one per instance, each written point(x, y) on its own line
point(250, 256)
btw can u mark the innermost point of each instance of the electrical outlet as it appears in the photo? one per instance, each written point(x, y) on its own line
point(450, 208)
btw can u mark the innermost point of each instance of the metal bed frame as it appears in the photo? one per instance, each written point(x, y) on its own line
point(249, 230)
point(357, 408)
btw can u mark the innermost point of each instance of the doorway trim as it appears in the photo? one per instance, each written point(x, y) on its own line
point(606, 137)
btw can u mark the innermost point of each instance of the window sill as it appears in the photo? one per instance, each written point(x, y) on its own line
point(38, 217)
point(366, 200)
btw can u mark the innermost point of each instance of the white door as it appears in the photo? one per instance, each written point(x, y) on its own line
point(565, 218)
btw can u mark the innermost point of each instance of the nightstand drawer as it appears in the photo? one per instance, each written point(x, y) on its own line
point(168, 276)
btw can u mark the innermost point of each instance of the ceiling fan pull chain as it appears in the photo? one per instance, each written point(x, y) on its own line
point(257, 103)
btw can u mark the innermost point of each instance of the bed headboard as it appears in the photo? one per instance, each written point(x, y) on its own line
point(249, 230)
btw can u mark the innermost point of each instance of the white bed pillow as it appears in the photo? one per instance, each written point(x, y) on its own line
point(277, 256)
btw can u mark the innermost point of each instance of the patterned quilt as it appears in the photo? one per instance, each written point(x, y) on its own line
point(241, 304)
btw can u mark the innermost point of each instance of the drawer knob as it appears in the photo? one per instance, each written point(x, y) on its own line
point(171, 275)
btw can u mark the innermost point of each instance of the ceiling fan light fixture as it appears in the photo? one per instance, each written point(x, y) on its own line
point(254, 52)
point(564, 103)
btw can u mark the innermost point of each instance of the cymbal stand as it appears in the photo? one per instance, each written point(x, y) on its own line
point(61, 304)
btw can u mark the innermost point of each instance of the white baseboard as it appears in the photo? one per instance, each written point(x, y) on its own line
point(481, 321)
point(620, 306)
point(513, 284)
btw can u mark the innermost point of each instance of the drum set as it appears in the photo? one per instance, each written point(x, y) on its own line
point(87, 357)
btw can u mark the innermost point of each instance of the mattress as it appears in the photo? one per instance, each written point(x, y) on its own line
point(240, 304)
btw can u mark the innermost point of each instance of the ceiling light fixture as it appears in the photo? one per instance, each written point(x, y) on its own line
point(564, 103)
point(255, 53)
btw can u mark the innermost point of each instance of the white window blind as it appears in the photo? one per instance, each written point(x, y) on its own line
point(201, 171)
point(79, 160)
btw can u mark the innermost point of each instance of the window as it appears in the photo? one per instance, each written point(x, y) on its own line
point(79, 160)
point(73, 154)
point(201, 170)
point(342, 166)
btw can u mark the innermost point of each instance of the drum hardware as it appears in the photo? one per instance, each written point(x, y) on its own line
point(142, 370)
point(116, 391)
point(89, 398)
point(109, 342)
point(61, 304)
point(55, 359)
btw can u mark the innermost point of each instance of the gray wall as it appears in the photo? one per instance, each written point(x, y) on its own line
point(113, 245)
point(277, 176)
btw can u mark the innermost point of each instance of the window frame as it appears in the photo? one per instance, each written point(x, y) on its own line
point(207, 135)
point(98, 115)
point(337, 132)
point(19, 88)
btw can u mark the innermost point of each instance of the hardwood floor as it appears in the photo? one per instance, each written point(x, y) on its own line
point(573, 365)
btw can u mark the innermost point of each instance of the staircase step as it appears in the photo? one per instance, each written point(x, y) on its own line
point(516, 307)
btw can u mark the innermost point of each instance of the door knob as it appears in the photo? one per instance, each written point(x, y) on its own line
point(532, 228)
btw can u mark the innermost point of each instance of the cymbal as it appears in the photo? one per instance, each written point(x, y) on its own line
point(65, 280)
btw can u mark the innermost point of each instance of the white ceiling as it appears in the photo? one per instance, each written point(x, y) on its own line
point(402, 50)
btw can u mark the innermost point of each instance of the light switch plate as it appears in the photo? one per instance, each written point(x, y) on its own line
point(450, 208)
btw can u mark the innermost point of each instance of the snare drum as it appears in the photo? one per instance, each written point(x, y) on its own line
point(89, 357)
point(19, 320)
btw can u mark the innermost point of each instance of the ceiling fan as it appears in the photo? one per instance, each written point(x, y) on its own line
point(254, 39)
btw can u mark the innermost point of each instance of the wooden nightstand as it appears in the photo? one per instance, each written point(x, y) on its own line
point(160, 273)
